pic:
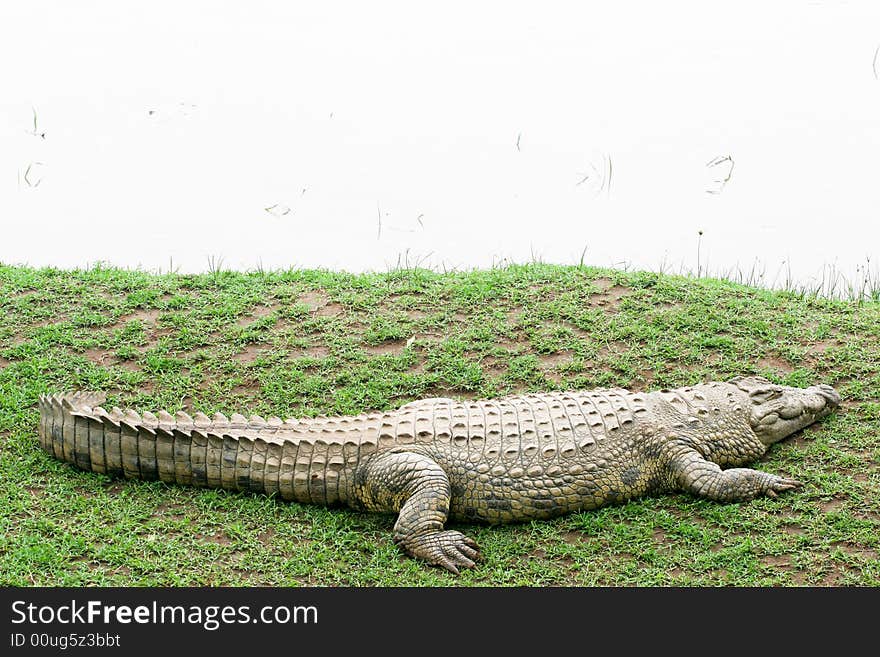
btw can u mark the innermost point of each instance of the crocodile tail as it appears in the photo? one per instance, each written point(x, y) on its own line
point(174, 448)
point(62, 434)
point(237, 454)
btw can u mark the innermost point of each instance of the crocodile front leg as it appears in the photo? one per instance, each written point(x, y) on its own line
point(418, 489)
point(696, 475)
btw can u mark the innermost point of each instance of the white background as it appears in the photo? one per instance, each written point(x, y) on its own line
point(171, 126)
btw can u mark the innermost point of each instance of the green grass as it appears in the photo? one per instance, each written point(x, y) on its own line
point(301, 343)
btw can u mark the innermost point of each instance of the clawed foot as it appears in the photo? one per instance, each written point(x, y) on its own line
point(779, 484)
point(450, 549)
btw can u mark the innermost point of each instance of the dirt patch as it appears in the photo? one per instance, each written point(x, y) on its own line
point(776, 560)
point(577, 330)
point(54, 319)
point(147, 316)
point(383, 348)
point(616, 292)
point(647, 378)
point(418, 368)
point(793, 530)
point(511, 345)
point(320, 304)
point(125, 571)
point(775, 363)
point(555, 360)
point(420, 340)
point(615, 347)
point(219, 538)
point(100, 356)
point(574, 538)
point(249, 389)
point(820, 347)
point(492, 367)
point(257, 313)
point(3, 362)
point(311, 352)
point(249, 355)
point(803, 438)
point(538, 553)
point(265, 537)
point(859, 551)
point(555, 378)
point(332, 309)
point(415, 314)
point(831, 506)
point(551, 363)
point(155, 335)
point(566, 560)
point(610, 294)
point(798, 578)
point(832, 578)
point(314, 299)
point(440, 391)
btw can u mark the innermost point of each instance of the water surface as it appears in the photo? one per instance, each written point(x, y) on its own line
point(360, 136)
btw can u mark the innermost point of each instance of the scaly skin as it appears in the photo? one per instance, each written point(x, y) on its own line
point(501, 460)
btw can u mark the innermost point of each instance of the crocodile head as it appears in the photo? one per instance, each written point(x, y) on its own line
point(779, 411)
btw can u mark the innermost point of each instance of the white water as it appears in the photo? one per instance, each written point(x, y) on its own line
point(171, 126)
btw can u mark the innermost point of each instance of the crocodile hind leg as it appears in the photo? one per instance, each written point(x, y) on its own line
point(706, 479)
point(416, 488)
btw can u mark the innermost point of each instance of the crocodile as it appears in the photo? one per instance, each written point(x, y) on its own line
point(509, 459)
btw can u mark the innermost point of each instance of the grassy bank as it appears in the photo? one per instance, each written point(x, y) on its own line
point(302, 343)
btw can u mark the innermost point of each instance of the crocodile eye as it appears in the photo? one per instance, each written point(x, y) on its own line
point(765, 393)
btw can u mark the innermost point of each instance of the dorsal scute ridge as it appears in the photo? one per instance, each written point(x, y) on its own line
point(149, 419)
point(183, 419)
point(166, 420)
point(201, 420)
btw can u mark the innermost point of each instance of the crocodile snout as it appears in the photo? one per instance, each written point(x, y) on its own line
point(779, 411)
